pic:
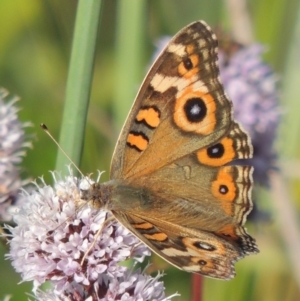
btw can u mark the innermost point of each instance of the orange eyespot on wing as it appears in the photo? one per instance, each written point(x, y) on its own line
point(195, 112)
point(224, 189)
point(232, 188)
point(218, 154)
point(188, 67)
point(235, 145)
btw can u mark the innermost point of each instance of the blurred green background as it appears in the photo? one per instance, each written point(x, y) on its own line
point(35, 46)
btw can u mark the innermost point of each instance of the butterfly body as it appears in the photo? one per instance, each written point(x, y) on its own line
point(173, 184)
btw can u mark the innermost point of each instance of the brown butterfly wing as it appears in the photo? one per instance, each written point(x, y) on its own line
point(188, 249)
point(192, 212)
point(180, 108)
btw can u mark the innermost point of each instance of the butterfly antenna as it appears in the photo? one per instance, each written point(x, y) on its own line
point(46, 130)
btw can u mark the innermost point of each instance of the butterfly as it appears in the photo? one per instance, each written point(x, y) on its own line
point(172, 180)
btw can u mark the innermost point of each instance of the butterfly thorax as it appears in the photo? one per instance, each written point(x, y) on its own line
point(116, 195)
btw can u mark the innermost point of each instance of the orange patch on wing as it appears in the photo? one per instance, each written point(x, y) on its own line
point(138, 141)
point(228, 231)
point(190, 48)
point(205, 126)
point(229, 154)
point(144, 226)
point(150, 116)
point(157, 236)
point(225, 181)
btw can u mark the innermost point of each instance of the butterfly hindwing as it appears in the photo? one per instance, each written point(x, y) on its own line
point(190, 250)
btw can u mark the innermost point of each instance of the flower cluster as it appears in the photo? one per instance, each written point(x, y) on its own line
point(56, 239)
point(12, 149)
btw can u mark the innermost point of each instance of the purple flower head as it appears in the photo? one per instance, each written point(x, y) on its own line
point(57, 239)
point(12, 150)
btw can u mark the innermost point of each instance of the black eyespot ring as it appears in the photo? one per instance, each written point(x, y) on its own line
point(223, 189)
point(216, 151)
point(188, 63)
point(204, 246)
point(195, 109)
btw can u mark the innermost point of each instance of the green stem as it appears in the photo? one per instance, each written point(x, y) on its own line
point(79, 81)
point(129, 40)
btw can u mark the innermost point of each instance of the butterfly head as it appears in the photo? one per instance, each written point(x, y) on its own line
point(97, 195)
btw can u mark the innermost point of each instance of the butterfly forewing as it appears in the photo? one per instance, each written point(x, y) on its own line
point(181, 106)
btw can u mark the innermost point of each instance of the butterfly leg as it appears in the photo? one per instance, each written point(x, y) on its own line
point(95, 238)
